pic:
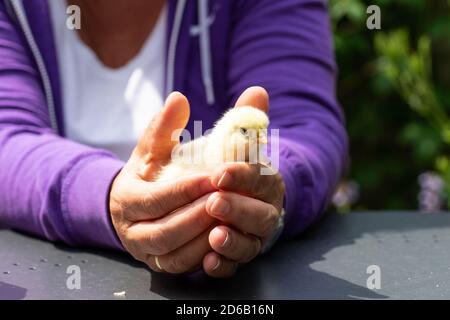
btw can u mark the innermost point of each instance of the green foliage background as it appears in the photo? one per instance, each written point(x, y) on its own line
point(394, 86)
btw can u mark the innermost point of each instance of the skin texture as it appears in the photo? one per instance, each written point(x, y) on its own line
point(212, 222)
point(116, 33)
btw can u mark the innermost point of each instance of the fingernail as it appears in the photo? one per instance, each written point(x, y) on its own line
point(220, 233)
point(217, 264)
point(220, 206)
point(225, 242)
point(224, 180)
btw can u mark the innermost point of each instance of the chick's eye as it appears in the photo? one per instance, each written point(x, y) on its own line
point(243, 130)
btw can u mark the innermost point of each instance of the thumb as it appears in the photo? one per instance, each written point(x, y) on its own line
point(156, 143)
point(254, 96)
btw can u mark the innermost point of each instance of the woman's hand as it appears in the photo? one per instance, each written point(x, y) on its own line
point(248, 205)
point(167, 220)
point(155, 219)
point(177, 227)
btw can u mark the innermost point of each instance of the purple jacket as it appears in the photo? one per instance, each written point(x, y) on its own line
point(58, 189)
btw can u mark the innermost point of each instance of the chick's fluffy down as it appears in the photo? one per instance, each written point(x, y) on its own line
point(228, 141)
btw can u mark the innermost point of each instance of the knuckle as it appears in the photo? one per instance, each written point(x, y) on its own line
point(253, 250)
point(177, 265)
point(118, 204)
point(153, 241)
point(121, 227)
point(135, 253)
point(133, 247)
point(158, 242)
point(130, 240)
point(244, 176)
point(182, 192)
point(270, 222)
point(148, 202)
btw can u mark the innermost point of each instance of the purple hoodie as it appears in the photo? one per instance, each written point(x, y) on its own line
point(58, 189)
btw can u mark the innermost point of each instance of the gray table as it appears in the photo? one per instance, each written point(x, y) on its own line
point(328, 262)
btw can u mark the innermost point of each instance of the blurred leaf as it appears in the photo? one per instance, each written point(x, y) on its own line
point(440, 27)
point(354, 10)
point(397, 109)
point(423, 140)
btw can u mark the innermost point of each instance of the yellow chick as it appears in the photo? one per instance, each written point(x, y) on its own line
point(239, 135)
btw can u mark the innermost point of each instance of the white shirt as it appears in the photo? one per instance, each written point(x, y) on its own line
point(104, 107)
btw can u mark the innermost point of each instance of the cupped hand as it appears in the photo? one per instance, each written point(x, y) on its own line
point(163, 224)
point(248, 206)
point(214, 222)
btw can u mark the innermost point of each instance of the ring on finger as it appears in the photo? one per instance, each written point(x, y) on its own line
point(157, 263)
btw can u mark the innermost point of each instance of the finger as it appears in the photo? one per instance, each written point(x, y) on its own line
point(170, 195)
point(161, 236)
point(156, 144)
point(158, 134)
point(245, 213)
point(234, 245)
point(187, 258)
point(156, 199)
point(247, 179)
point(218, 267)
point(136, 254)
point(256, 97)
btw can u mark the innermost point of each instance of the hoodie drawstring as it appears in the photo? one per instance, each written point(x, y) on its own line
point(205, 51)
point(181, 4)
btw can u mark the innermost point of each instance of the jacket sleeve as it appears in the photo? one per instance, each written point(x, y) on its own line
point(286, 47)
point(49, 186)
